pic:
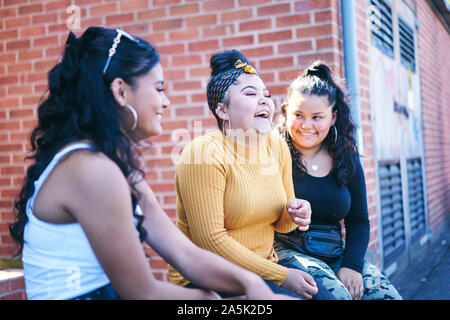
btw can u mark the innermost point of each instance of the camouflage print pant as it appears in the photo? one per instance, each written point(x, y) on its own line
point(376, 285)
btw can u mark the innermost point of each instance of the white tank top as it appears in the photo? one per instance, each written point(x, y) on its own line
point(58, 260)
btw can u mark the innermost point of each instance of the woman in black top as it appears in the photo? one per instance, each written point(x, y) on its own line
point(327, 172)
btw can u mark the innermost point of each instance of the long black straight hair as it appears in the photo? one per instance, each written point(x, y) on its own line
point(80, 106)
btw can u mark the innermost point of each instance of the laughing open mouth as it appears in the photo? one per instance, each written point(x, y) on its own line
point(262, 114)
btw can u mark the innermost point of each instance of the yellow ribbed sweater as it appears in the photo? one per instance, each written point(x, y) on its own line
point(231, 198)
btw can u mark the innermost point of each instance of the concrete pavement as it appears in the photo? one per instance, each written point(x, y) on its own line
point(429, 277)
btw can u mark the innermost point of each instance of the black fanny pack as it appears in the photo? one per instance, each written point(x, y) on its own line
point(320, 241)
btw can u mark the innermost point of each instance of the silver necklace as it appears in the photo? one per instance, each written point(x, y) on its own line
point(314, 167)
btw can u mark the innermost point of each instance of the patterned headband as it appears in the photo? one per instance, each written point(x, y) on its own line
point(217, 89)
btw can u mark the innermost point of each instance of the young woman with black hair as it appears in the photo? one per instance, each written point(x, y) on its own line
point(327, 172)
point(234, 185)
point(75, 224)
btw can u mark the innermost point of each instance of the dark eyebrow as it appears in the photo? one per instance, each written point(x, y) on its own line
point(315, 113)
point(252, 87)
point(246, 87)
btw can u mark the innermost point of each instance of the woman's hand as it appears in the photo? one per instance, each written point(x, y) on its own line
point(352, 281)
point(300, 211)
point(301, 283)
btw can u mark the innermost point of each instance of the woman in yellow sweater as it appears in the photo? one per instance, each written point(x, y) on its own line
point(234, 185)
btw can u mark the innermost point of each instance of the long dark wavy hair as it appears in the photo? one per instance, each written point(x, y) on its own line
point(80, 106)
point(318, 80)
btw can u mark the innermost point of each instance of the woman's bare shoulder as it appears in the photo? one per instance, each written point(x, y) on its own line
point(79, 180)
point(88, 174)
point(93, 168)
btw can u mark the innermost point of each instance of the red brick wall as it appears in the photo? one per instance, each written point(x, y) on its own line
point(279, 36)
point(434, 47)
point(12, 289)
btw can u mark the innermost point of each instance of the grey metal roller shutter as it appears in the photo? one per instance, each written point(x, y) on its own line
point(392, 218)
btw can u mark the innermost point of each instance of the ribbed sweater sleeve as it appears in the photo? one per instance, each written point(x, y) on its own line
point(285, 224)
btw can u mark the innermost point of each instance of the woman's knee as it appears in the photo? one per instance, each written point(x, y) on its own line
point(324, 276)
point(376, 285)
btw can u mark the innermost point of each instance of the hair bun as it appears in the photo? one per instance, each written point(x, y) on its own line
point(320, 70)
point(72, 39)
point(226, 60)
point(313, 72)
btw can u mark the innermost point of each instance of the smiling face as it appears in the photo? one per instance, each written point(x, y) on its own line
point(250, 106)
point(148, 99)
point(308, 120)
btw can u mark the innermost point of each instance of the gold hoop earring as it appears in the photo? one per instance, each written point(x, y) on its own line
point(335, 134)
point(223, 126)
point(135, 116)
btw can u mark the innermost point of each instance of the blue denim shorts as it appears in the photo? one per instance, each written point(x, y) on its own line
point(103, 293)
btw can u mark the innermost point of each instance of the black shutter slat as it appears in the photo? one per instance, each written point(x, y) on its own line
point(416, 199)
point(382, 33)
point(406, 39)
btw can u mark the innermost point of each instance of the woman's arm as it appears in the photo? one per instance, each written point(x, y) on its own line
point(357, 226)
point(202, 267)
point(95, 192)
